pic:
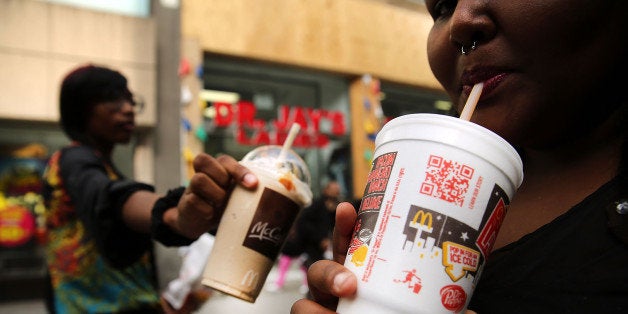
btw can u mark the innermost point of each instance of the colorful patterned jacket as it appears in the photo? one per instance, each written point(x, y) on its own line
point(96, 263)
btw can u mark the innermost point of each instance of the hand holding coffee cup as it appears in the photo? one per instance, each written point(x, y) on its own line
point(256, 222)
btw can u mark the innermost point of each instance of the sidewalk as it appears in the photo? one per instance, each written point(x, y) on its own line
point(267, 303)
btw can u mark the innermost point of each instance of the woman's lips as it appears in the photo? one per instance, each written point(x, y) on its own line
point(490, 83)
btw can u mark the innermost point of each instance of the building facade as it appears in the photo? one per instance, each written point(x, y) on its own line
point(217, 77)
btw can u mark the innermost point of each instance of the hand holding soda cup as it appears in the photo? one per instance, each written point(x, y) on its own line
point(435, 198)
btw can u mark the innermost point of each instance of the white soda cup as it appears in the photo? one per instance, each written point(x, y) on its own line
point(434, 201)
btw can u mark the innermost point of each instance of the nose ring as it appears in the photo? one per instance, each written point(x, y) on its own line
point(473, 46)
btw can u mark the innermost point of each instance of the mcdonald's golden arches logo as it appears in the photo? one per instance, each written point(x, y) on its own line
point(425, 217)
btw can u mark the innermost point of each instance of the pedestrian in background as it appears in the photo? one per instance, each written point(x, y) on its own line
point(292, 252)
point(100, 224)
point(316, 223)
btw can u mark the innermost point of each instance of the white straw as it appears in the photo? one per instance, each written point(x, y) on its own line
point(472, 101)
point(292, 134)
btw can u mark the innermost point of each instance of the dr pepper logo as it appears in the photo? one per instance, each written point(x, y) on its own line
point(453, 298)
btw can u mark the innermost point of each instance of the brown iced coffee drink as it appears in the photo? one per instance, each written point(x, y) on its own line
point(255, 223)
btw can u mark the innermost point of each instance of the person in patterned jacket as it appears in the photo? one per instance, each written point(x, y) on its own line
point(100, 224)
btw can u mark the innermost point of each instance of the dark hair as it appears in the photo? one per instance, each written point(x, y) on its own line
point(83, 88)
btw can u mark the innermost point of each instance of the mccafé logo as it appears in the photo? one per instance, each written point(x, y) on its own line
point(262, 232)
point(251, 131)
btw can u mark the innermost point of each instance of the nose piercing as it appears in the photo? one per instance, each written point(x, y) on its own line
point(473, 46)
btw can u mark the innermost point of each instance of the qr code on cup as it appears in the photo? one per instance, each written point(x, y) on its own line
point(447, 180)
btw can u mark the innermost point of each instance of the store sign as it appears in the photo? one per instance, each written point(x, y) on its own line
point(252, 131)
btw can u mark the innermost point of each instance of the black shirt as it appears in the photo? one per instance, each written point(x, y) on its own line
point(577, 263)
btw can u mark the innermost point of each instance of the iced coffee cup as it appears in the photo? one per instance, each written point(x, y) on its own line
point(255, 223)
point(434, 201)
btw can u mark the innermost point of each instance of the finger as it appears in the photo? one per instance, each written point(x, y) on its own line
point(305, 306)
point(207, 189)
point(343, 230)
point(199, 208)
point(240, 173)
point(196, 216)
point(329, 280)
point(213, 168)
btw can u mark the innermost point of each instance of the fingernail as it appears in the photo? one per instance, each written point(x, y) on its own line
point(339, 280)
point(249, 179)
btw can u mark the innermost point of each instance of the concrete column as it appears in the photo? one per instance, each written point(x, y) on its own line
point(167, 130)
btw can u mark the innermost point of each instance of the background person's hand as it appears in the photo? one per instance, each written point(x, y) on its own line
point(329, 280)
point(205, 198)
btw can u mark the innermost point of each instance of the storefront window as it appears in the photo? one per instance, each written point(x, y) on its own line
point(269, 99)
point(133, 8)
point(401, 100)
point(248, 104)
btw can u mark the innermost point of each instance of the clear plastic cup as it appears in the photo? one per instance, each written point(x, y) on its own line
point(255, 223)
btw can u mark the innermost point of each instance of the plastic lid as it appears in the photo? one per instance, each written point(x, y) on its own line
point(459, 133)
point(266, 157)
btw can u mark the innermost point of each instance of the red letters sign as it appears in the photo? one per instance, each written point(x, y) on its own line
point(261, 132)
